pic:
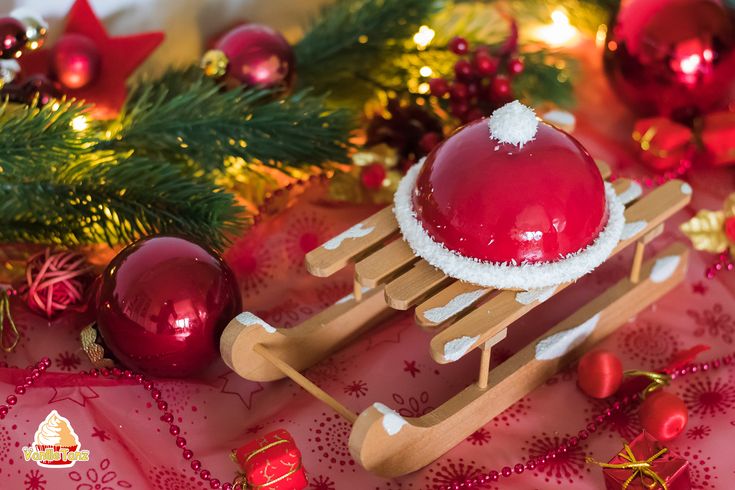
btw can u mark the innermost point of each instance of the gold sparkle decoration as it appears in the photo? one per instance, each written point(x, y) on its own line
point(707, 230)
point(95, 352)
point(214, 63)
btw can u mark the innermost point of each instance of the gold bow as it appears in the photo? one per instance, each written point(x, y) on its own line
point(641, 469)
point(658, 380)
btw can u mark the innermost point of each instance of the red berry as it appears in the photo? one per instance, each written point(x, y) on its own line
point(463, 70)
point(485, 64)
point(459, 108)
point(372, 176)
point(730, 228)
point(473, 89)
point(500, 88)
point(599, 373)
point(439, 87)
point(459, 45)
point(429, 141)
point(515, 66)
point(663, 415)
point(458, 91)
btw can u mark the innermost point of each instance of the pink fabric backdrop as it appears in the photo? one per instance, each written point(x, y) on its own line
point(219, 411)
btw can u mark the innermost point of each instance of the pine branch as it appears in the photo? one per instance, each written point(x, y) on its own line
point(354, 36)
point(196, 120)
point(546, 77)
point(58, 187)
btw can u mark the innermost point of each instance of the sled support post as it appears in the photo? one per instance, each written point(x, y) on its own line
point(484, 373)
point(306, 384)
point(357, 289)
point(640, 248)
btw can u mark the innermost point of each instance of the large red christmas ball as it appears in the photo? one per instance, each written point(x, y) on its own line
point(258, 56)
point(497, 202)
point(599, 373)
point(75, 60)
point(663, 415)
point(671, 57)
point(163, 303)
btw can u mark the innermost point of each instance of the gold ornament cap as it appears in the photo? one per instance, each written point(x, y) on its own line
point(214, 63)
point(36, 27)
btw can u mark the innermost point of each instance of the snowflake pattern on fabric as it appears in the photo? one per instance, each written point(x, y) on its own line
point(701, 470)
point(480, 437)
point(287, 314)
point(412, 406)
point(623, 423)
point(100, 478)
point(321, 483)
point(168, 478)
point(328, 437)
point(707, 397)
point(356, 388)
point(68, 361)
point(648, 344)
point(714, 322)
point(254, 266)
point(698, 432)
point(303, 234)
point(566, 468)
point(34, 480)
point(450, 472)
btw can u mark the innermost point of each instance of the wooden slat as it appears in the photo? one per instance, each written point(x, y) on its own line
point(337, 252)
point(439, 308)
point(417, 441)
point(384, 263)
point(502, 310)
point(457, 290)
point(604, 168)
point(412, 286)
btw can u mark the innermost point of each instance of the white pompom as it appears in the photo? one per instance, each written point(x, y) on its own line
point(513, 123)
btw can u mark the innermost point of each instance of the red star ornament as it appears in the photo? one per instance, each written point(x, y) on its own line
point(119, 58)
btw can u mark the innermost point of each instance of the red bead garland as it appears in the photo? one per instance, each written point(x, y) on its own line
point(187, 454)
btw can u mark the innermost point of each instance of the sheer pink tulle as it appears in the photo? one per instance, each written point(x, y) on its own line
point(55, 281)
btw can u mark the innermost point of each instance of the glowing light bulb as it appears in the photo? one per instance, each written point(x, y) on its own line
point(426, 71)
point(424, 37)
point(79, 123)
point(560, 32)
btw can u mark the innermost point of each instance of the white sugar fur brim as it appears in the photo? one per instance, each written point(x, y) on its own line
point(505, 275)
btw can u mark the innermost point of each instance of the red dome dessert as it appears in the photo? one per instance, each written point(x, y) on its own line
point(509, 202)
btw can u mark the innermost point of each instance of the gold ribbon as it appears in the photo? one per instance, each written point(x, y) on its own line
point(241, 483)
point(5, 312)
point(641, 469)
point(658, 380)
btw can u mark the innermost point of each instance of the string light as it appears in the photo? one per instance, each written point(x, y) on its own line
point(79, 123)
point(426, 71)
point(424, 37)
point(560, 32)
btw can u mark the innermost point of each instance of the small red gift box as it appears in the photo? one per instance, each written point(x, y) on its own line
point(643, 465)
point(272, 462)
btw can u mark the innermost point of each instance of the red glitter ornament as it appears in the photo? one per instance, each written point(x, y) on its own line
point(671, 57)
point(258, 56)
point(372, 176)
point(599, 373)
point(664, 415)
point(459, 45)
point(163, 303)
point(75, 61)
point(558, 194)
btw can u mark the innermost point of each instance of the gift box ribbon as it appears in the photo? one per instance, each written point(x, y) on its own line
point(641, 469)
point(241, 481)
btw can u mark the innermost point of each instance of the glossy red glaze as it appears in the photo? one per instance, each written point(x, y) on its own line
point(497, 202)
point(163, 303)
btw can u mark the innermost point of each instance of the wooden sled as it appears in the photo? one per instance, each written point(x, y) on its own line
point(389, 277)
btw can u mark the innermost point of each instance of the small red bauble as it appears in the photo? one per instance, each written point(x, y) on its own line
point(75, 61)
point(12, 38)
point(663, 415)
point(163, 303)
point(515, 66)
point(483, 199)
point(485, 64)
point(372, 176)
point(599, 374)
point(258, 56)
point(671, 57)
point(459, 45)
point(438, 87)
point(730, 228)
point(463, 70)
point(500, 88)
